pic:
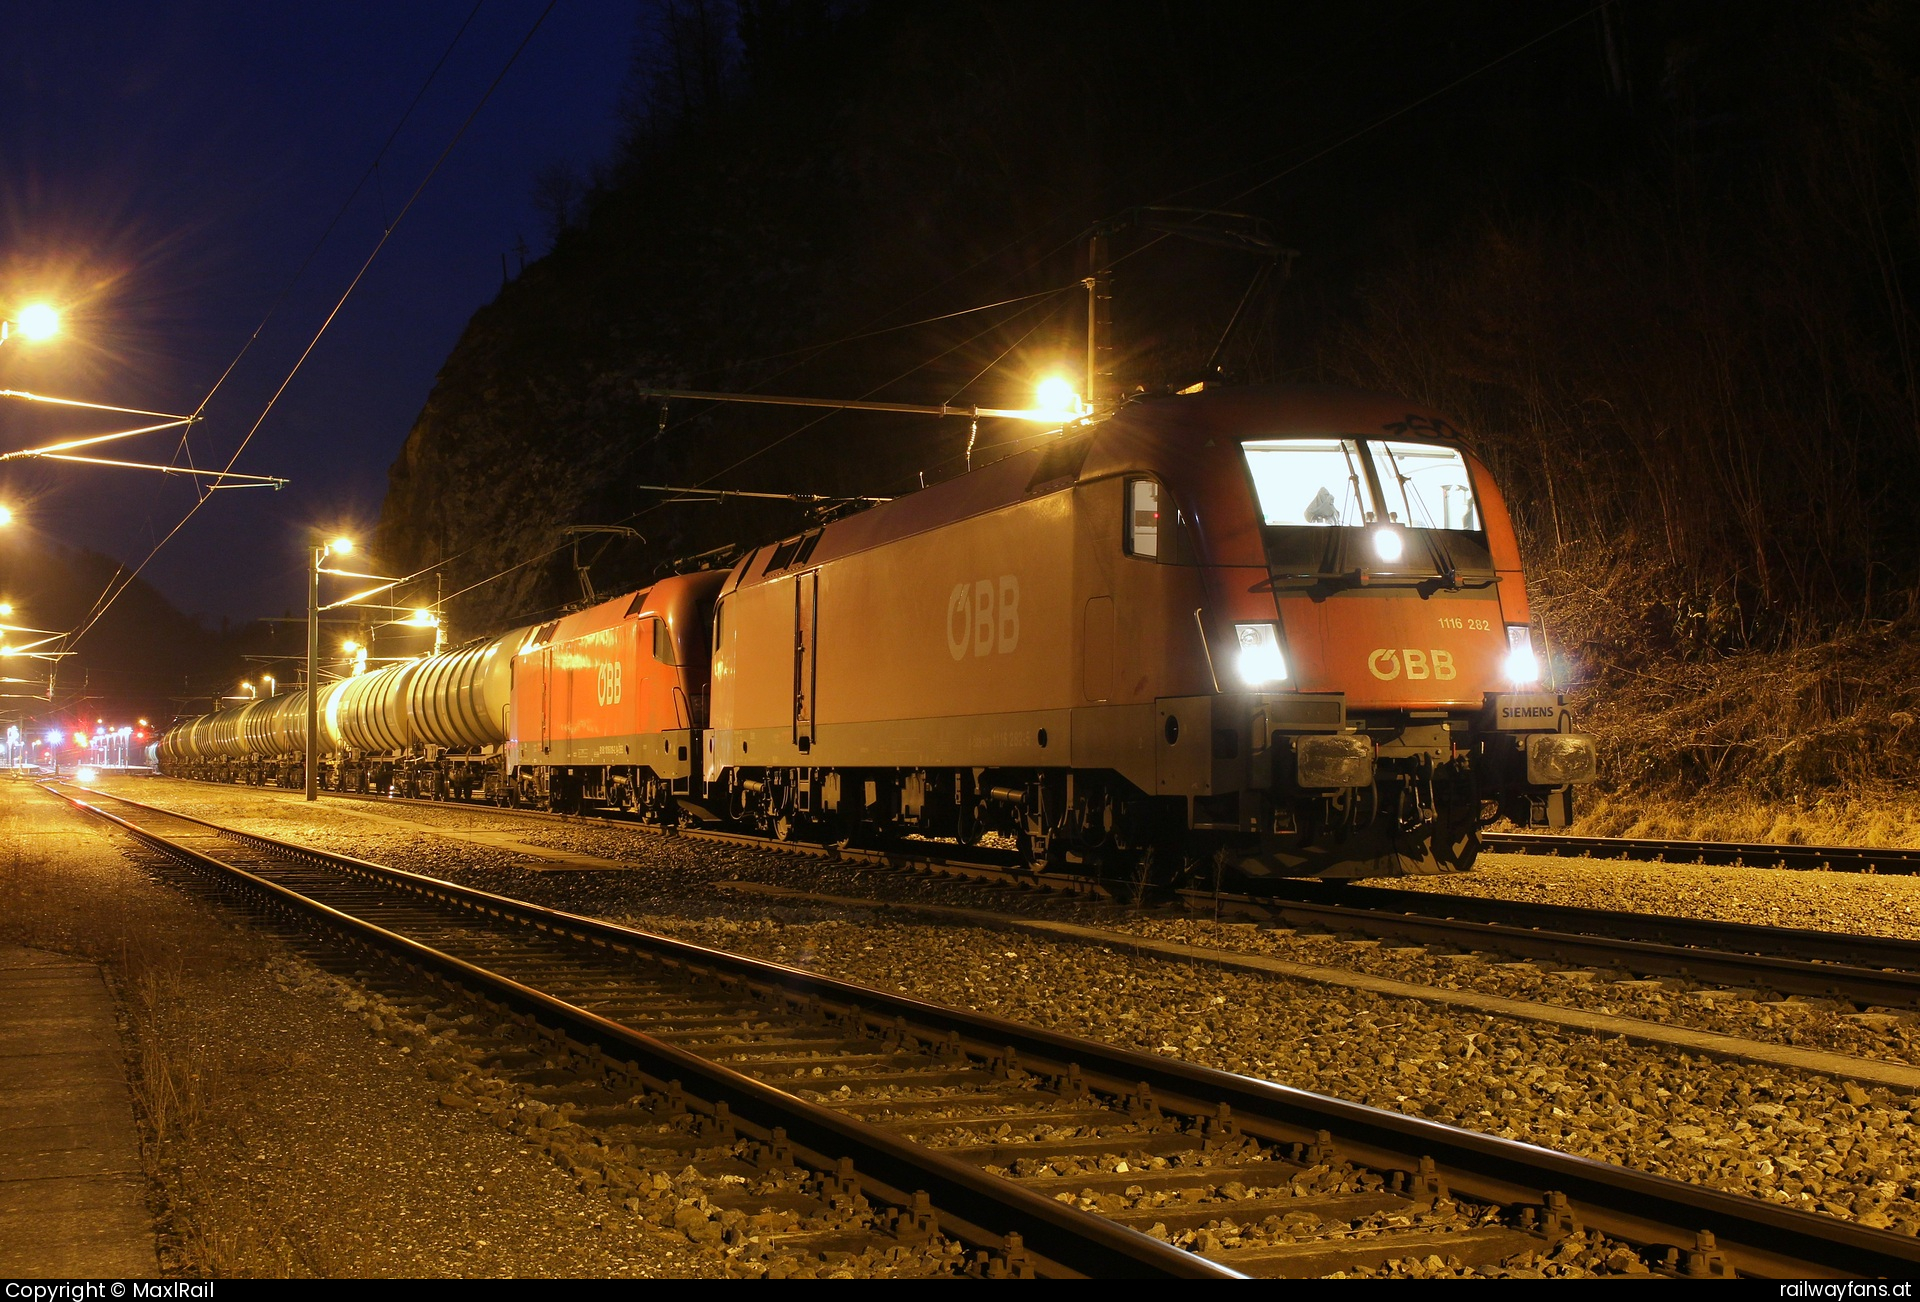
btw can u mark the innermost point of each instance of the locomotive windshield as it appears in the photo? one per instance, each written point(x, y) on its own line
point(1310, 481)
point(1323, 482)
point(1425, 485)
point(1317, 496)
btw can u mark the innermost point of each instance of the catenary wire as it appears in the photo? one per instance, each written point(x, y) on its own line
point(1321, 153)
point(351, 286)
point(109, 594)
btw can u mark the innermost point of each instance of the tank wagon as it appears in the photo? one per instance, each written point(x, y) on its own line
point(1283, 631)
point(610, 699)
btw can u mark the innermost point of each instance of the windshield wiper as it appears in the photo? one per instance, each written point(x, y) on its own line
point(1321, 586)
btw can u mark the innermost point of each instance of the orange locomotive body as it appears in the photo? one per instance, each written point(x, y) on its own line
point(608, 701)
point(1282, 629)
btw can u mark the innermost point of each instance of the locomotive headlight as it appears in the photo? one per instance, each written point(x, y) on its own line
point(1387, 545)
point(1523, 666)
point(1261, 661)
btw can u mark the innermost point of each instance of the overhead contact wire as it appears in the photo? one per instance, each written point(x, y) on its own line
point(386, 235)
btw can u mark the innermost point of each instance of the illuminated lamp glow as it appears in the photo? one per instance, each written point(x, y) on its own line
point(1387, 545)
point(1523, 666)
point(6, 517)
point(55, 737)
point(38, 321)
point(79, 738)
point(88, 774)
point(341, 545)
point(1262, 662)
point(1055, 396)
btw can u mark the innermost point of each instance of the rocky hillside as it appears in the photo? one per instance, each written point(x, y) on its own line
point(1659, 258)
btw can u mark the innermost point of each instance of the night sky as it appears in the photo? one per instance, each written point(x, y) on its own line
point(165, 169)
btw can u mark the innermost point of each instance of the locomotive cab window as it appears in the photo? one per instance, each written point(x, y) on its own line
point(1143, 518)
point(1322, 502)
point(1156, 530)
point(663, 643)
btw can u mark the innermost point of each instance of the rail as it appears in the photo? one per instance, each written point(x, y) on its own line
point(1705, 1231)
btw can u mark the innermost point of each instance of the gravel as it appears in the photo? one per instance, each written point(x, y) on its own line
point(1807, 1141)
point(1829, 1025)
point(285, 1131)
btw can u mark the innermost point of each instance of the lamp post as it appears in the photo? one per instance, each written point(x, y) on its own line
point(340, 546)
point(35, 322)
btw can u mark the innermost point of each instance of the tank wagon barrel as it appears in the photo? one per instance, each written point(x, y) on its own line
point(439, 723)
point(462, 699)
point(372, 713)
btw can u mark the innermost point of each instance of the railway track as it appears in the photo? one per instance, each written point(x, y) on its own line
point(1864, 970)
point(1869, 971)
point(865, 1113)
point(1751, 854)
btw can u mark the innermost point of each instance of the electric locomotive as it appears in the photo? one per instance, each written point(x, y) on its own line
point(1282, 630)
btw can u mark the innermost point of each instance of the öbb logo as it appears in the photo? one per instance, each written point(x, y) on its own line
point(984, 617)
point(1387, 664)
point(606, 683)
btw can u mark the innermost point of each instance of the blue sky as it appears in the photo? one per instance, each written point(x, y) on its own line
point(165, 169)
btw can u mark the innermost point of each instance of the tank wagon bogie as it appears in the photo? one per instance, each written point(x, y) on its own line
point(1276, 631)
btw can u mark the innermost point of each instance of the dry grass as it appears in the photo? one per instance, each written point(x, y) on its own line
point(1733, 817)
point(1807, 740)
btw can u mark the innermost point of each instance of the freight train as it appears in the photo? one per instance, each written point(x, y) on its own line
point(1278, 631)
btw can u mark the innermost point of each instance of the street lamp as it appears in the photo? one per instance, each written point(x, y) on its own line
point(273, 685)
point(339, 547)
point(36, 322)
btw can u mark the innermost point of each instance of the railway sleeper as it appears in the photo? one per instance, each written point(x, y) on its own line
point(1550, 1222)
